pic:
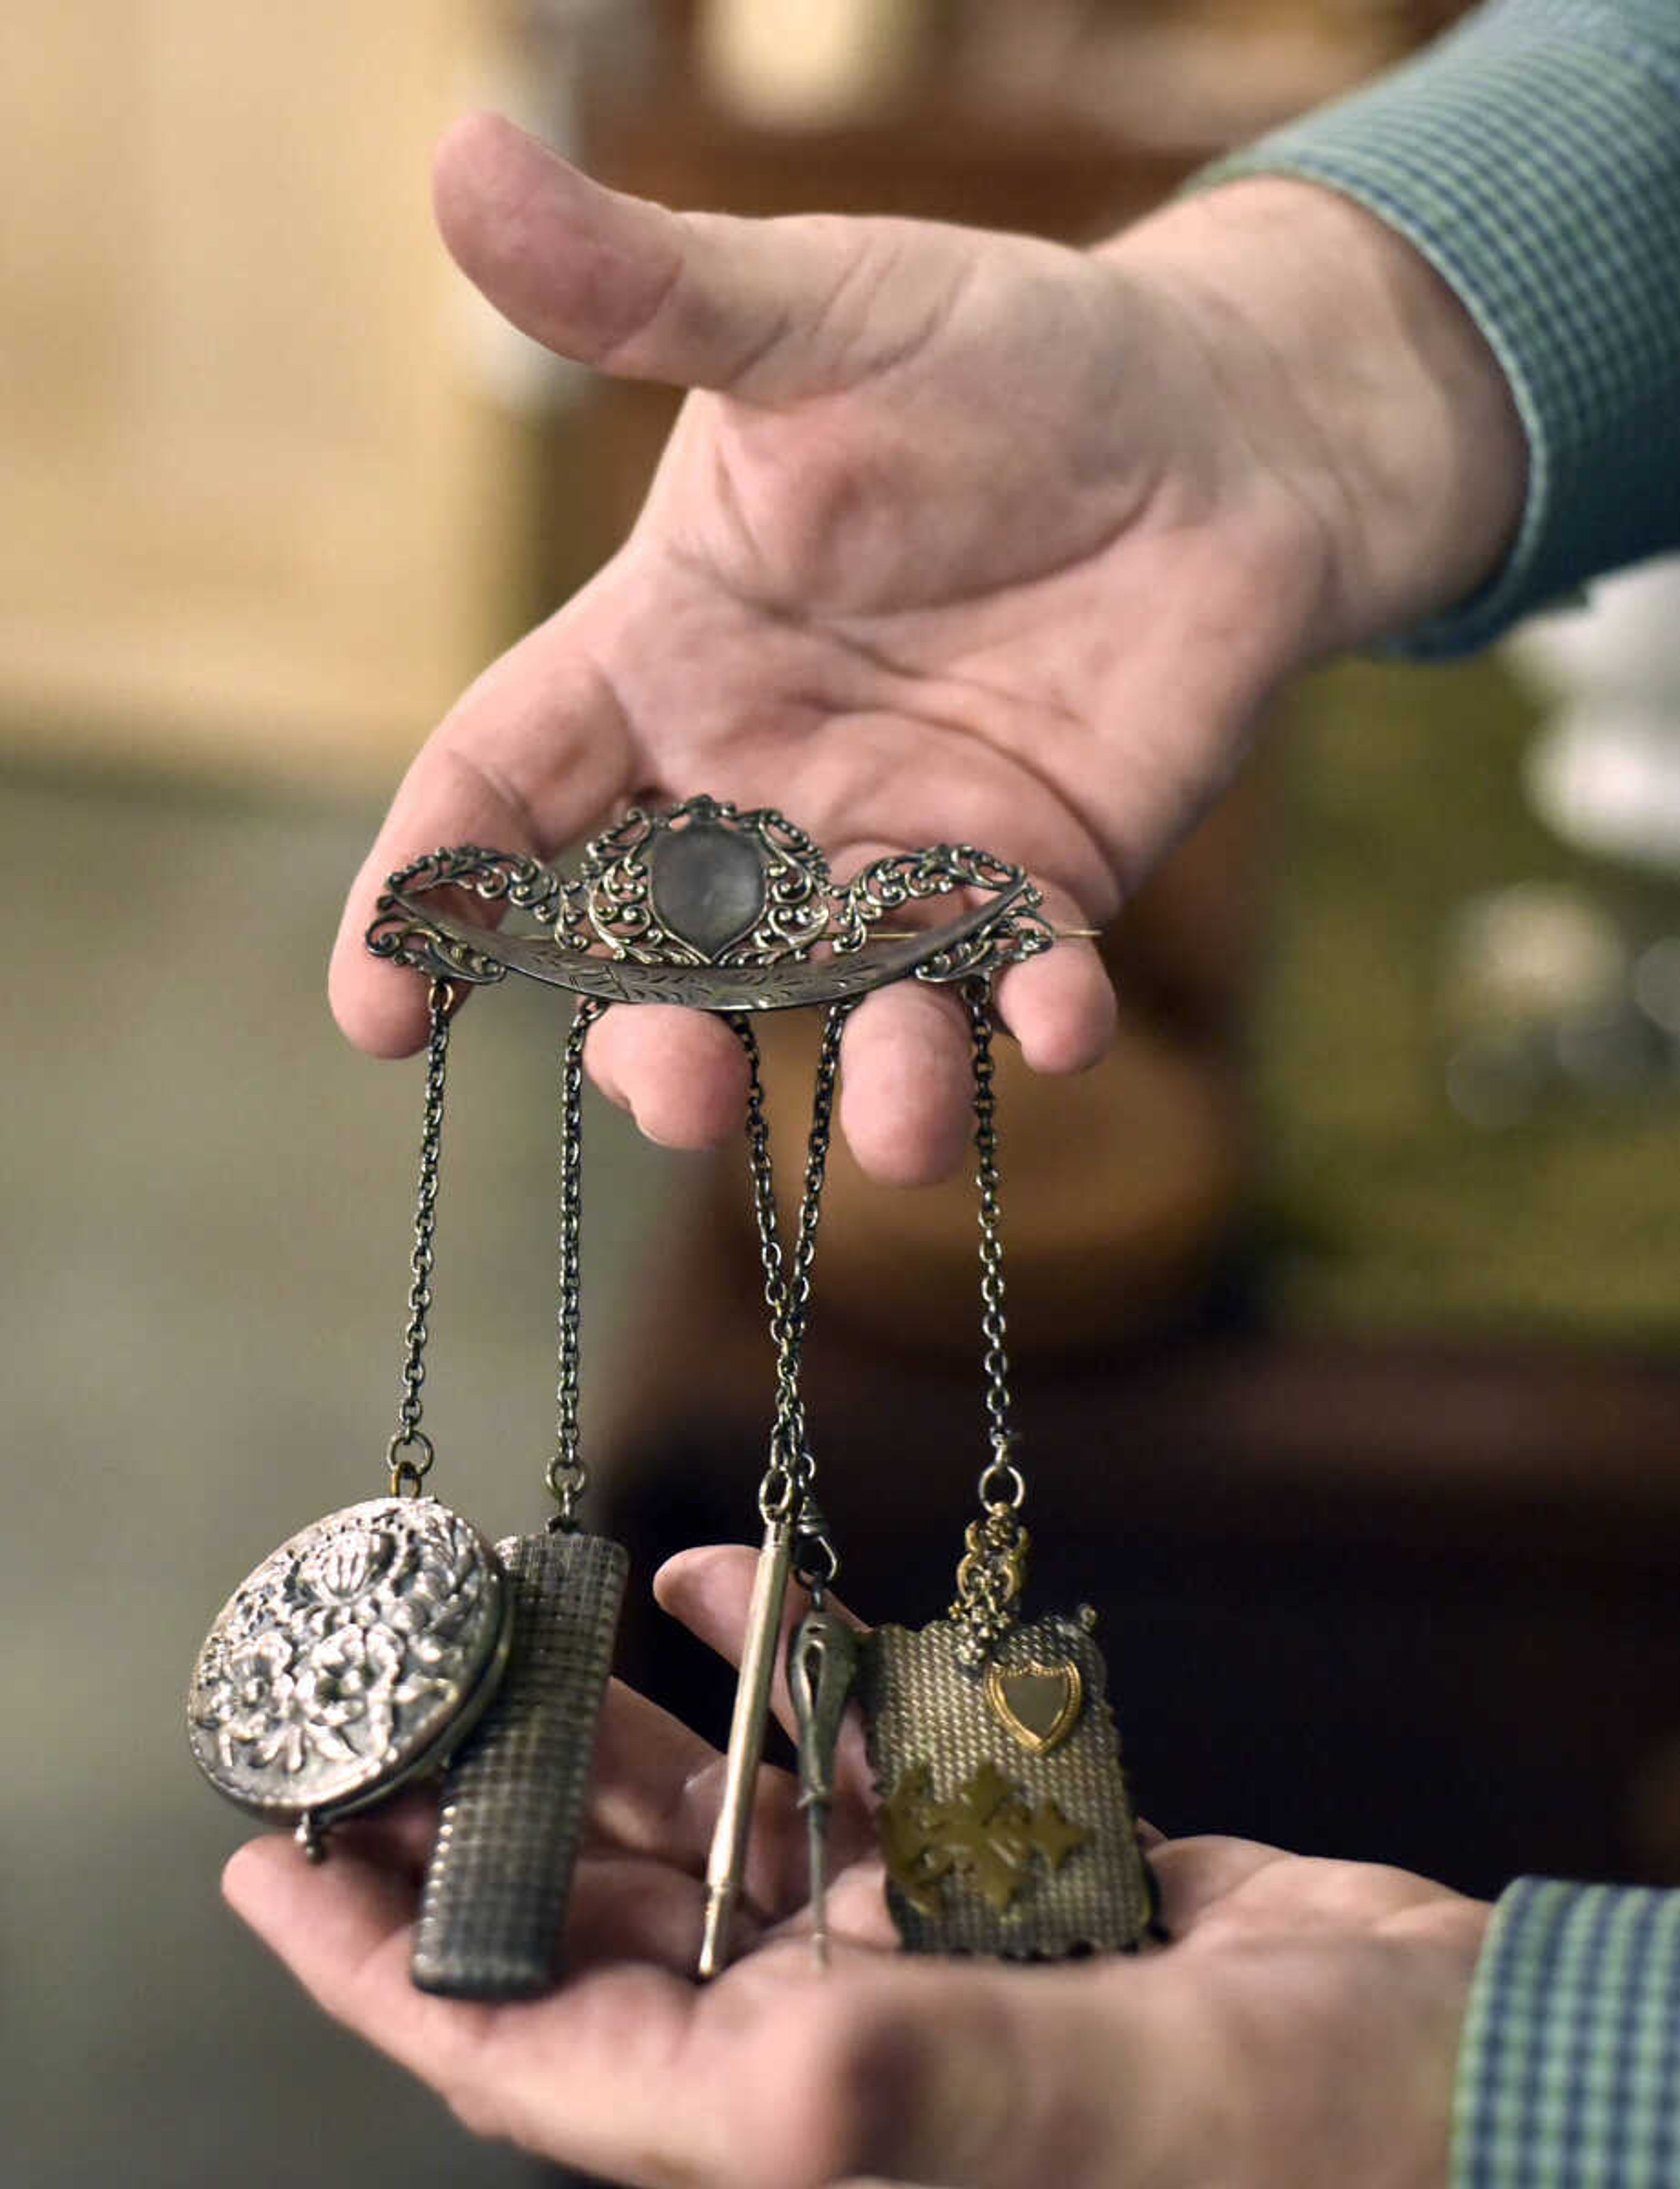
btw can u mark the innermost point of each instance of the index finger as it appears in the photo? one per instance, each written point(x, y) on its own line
point(531, 756)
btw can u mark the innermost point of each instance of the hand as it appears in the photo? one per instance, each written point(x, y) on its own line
point(1300, 2032)
point(961, 536)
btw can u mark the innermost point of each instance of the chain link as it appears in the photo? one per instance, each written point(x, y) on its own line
point(409, 1452)
point(992, 1568)
point(785, 1492)
point(996, 1363)
point(567, 1476)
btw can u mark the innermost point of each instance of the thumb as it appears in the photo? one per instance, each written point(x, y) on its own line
point(708, 1589)
point(767, 310)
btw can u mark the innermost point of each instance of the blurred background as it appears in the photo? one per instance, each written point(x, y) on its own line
point(1345, 1296)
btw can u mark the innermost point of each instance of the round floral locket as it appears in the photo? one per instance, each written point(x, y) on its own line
point(354, 1657)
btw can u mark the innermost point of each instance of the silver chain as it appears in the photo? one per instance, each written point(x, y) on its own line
point(1000, 1478)
point(567, 1476)
point(409, 1452)
point(993, 1564)
point(785, 1491)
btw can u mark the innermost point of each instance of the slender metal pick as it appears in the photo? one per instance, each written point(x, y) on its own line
point(822, 1660)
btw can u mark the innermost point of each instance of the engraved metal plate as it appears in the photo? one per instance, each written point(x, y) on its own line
point(998, 1838)
point(494, 1905)
point(349, 1661)
point(706, 905)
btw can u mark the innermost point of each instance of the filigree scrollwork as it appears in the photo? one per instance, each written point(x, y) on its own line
point(887, 885)
point(707, 905)
point(705, 884)
point(410, 936)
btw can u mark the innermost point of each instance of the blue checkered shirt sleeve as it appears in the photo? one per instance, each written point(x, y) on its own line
point(1569, 2077)
point(1533, 156)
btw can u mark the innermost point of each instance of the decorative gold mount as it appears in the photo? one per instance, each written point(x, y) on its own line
point(1037, 1704)
point(985, 1838)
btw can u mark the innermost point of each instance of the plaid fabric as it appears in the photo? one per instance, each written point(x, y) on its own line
point(1569, 2074)
point(1533, 156)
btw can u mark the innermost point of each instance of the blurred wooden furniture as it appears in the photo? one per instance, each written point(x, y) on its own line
point(266, 511)
point(1411, 1602)
point(1162, 1121)
point(1406, 1602)
point(261, 515)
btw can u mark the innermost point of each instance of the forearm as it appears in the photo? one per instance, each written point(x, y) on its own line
point(1532, 159)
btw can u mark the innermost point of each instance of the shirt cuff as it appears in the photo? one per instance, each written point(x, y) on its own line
point(1569, 2075)
point(1533, 158)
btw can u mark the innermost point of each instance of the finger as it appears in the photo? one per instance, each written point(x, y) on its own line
point(708, 1589)
point(767, 310)
point(1194, 1875)
point(656, 1789)
point(627, 2069)
point(1059, 1005)
point(857, 1912)
point(344, 1928)
point(342, 1931)
point(533, 755)
point(680, 1074)
point(906, 1093)
point(396, 1837)
point(626, 1908)
point(650, 1784)
point(907, 1085)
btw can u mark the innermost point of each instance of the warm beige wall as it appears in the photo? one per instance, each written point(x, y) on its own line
point(253, 514)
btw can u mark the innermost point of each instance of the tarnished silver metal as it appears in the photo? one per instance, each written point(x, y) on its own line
point(711, 907)
point(356, 1655)
point(792, 1528)
point(1004, 1819)
point(409, 1453)
point(567, 1476)
point(785, 1489)
point(1005, 1822)
point(726, 1860)
point(349, 1662)
point(494, 1905)
point(992, 1567)
point(822, 1659)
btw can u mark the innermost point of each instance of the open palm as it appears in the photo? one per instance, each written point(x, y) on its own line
point(956, 539)
point(1300, 2031)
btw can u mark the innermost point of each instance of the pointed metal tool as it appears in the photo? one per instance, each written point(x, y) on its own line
point(727, 1859)
point(823, 1661)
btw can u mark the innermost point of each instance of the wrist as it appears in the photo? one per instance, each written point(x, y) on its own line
point(1354, 383)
